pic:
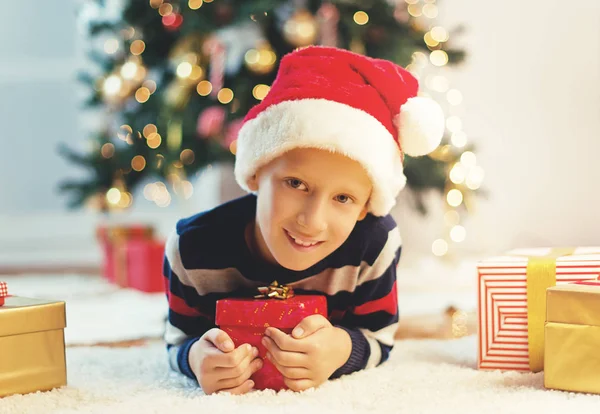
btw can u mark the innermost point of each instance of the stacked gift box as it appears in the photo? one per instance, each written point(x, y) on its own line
point(32, 344)
point(133, 257)
point(540, 308)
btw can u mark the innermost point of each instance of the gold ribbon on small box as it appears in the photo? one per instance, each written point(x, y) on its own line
point(541, 274)
point(275, 291)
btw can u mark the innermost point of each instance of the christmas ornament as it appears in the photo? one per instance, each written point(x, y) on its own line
point(301, 29)
point(210, 121)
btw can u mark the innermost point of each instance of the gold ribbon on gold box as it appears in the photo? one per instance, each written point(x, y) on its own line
point(32, 345)
point(512, 302)
point(572, 330)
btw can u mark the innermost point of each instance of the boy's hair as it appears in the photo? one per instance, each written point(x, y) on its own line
point(364, 108)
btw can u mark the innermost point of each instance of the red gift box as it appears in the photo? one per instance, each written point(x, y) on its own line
point(245, 321)
point(3, 292)
point(132, 257)
point(145, 265)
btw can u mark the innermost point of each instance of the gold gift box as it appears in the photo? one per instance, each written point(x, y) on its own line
point(32, 345)
point(572, 330)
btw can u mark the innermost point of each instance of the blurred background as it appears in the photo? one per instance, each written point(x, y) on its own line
point(123, 113)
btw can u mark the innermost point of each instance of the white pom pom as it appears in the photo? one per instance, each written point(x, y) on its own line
point(420, 125)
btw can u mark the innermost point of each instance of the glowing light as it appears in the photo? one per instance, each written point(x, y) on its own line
point(150, 85)
point(195, 4)
point(137, 47)
point(260, 91)
point(458, 173)
point(197, 73)
point(187, 156)
point(439, 34)
point(233, 146)
point(149, 130)
point(112, 85)
point(111, 46)
point(154, 141)
point(469, 159)
point(430, 41)
point(138, 163)
point(142, 94)
point(204, 88)
point(165, 9)
point(113, 195)
point(458, 233)
point(459, 139)
point(415, 10)
point(454, 97)
point(125, 200)
point(430, 10)
point(453, 123)
point(129, 70)
point(454, 197)
point(225, 95)
point(107, 150)
point(361, 18)
point(475, 178)
point(125, 132)
point(184, 69)
point(439, 247)
point(155, 4)
point(438, 57)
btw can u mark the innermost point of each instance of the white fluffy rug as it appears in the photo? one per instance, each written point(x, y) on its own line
point(429, 376)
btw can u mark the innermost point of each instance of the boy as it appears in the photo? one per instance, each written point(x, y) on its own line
point(322, 156)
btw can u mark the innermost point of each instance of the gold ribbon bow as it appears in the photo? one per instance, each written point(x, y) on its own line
point(541, 274)
point(275, 290)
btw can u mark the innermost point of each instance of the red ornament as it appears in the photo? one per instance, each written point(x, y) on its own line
point(210, 121)
point(172, 21)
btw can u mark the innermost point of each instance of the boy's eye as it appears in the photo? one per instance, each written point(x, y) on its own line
point(343, 198)
point(296, 183)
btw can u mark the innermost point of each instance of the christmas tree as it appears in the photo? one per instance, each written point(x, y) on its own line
point(176, 77)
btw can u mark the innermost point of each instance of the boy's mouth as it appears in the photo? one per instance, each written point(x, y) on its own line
point(302, 244)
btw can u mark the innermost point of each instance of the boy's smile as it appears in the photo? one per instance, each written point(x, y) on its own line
point(309, 200)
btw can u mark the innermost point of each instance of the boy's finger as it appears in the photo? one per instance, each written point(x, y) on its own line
point(310, 325)
point(220, 339)
point(240, 389)
point(225, 372)
point(284, 341)
point(233, 358)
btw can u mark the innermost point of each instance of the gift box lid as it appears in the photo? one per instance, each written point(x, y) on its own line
point(574, 303)
point(21, 315)
point(281, 313)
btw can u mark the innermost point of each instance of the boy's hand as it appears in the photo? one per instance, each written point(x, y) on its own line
point(220, 367)
point(309, 356)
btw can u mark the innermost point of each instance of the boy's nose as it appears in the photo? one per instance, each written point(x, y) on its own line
point(313, 218)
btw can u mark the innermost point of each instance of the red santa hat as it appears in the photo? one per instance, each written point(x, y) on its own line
point(364, 108)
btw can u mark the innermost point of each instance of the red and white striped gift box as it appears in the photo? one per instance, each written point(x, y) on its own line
point(3, 292)
point(502, 303)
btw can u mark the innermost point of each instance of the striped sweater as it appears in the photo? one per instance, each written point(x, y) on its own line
point(207, 259)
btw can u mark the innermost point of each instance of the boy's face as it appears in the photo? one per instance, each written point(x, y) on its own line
point(309, 201)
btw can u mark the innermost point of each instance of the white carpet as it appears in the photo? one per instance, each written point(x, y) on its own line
point(421, 377)
point(97, 311)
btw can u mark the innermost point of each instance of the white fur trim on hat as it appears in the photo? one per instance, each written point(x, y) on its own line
point(323, 124)
point(420, 126)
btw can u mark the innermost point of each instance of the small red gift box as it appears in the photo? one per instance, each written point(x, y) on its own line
point(3, 292)
point(245, 321)
point(132, 257)
point(145, 265)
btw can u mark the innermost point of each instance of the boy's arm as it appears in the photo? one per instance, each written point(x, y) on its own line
point(373, 319)
point(186, 323)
